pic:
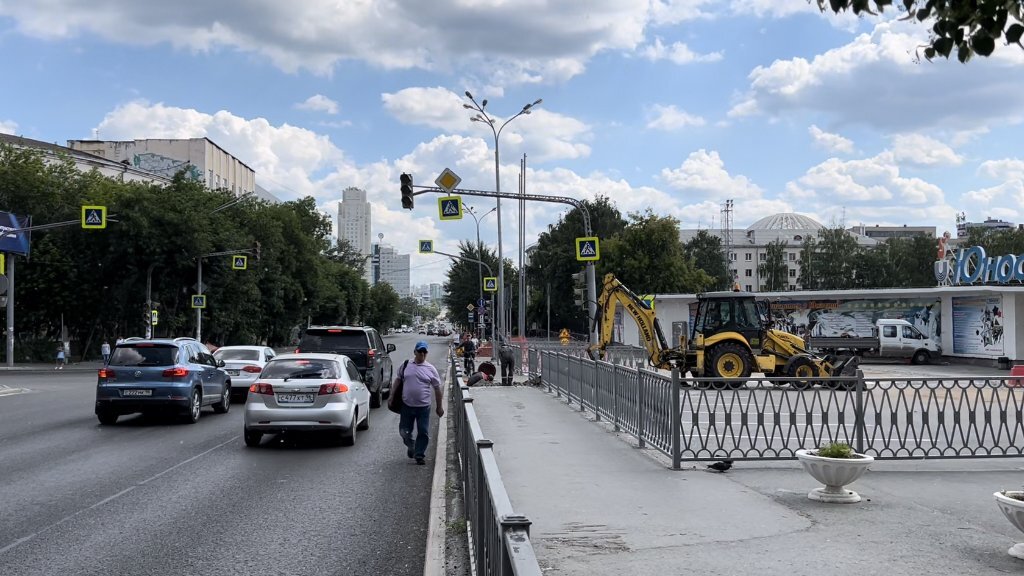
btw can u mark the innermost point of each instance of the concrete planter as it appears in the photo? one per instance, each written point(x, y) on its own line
point(1013, 509)
point(834, 473)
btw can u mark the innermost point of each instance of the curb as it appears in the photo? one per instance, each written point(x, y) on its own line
point(433, 564)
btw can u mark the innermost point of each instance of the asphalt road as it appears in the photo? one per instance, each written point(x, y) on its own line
point(153, 497)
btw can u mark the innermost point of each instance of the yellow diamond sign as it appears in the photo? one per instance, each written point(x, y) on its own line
point(448, 180)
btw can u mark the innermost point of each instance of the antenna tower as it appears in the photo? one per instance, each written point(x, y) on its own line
point(727, 233)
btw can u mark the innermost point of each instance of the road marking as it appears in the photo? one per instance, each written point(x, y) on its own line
point(31, 536)
point(434, 562)
point(8, 391)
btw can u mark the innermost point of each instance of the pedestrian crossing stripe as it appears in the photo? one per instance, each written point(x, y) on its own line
point(490, 284)
point(450, 208)
point(588, 249)
point(426, 246)
point(94, 217)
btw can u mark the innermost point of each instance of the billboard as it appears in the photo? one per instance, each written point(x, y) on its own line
point(12, 240)
point(978, 325)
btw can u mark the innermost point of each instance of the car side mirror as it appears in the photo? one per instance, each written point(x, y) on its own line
point(391, 347)
point(220, 363)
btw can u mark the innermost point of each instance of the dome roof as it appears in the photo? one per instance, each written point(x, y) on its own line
point(786, 221)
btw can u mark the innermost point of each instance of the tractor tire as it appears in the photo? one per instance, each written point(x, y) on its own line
point(802, 372)
point(729, 360)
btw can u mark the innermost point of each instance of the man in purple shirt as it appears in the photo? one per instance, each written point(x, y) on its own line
point(419, 378)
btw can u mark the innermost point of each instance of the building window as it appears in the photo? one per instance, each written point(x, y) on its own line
point(748, 256)
point(747, 273)
point(761, 256)
point(732, 256)
point(792, 256)
point(748, 288)
point(792, 287)
point(792, 273)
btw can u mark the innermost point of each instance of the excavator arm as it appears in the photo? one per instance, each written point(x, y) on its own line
point(613, 294)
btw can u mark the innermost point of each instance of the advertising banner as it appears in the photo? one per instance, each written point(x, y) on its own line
point(12, 240)
point(978, 325)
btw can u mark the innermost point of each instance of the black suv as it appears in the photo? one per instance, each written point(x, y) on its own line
point(363, 345)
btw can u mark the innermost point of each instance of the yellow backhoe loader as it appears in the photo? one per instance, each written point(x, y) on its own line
point(731, 337)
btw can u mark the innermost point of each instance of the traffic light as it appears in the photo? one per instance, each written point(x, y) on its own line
point(406, 191)
point(579, 288)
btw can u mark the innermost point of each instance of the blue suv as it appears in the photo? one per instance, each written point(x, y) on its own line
point(161, 376)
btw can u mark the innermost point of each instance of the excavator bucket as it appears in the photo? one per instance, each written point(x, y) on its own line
point(846, 367)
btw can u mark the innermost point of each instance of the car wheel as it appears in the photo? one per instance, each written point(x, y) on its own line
point(375, 398)
point(348, 437)
point(252, 438)
point(194, 408)
point(225, 401)
point(920, 357)
point(365, 424)
point(107, 418)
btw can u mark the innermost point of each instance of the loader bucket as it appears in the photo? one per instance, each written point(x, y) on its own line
point(846, 367)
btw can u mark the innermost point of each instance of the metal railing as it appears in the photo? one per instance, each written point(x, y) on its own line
point(617, 354)
point(770, 418)
point(499, 538)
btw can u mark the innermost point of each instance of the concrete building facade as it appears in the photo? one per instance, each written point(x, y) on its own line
point(201, 160)
point(85, 161)
point(391, 268)
point(355, 226)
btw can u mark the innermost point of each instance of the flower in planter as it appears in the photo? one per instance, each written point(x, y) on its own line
point(837, 450)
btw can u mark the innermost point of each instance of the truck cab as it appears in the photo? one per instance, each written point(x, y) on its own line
point(901, 339)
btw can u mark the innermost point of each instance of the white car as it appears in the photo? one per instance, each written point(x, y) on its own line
point(308, 392)
point(243, 364)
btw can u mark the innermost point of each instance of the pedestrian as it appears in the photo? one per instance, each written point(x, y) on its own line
point(105, 351)
point(67, 352)
point(508, 359)
point(485, 373)
point(418, 378)
point(60, 357)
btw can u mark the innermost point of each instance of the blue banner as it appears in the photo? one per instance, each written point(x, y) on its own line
point(12, 239)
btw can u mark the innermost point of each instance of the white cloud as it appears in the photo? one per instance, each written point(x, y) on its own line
point(868, 182)
point(833, 143)
point(876, 80)
point(920, 150)
point(677, 53)
point(1005, 169)
point(319, 103)
point(8, 127)
point(529, 41)
point(671, 118)
point(786, 8)
point(703, 173)
point(542, 134)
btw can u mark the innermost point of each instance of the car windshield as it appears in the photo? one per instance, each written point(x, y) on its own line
point(327, 340)
point(236, 354)
point(144, 355)
point(295, 369)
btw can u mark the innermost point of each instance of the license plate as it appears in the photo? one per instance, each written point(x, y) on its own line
point(232, 372)
point(294, 398)
point(136, 392)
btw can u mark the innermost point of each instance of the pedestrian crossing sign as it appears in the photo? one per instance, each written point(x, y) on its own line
point(426, 246)
point(239, 262)
point(588, 249)
point(94, 217)
point(490, 284)
point(199, 300)
point(450, 207)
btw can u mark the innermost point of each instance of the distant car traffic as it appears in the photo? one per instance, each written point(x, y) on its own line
point(161, 376)
point(308, 393)
point(243, 364)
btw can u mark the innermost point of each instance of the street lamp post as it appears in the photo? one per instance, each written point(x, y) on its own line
point(481, 116)
point(479, 265)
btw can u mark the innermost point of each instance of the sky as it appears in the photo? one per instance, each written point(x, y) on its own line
point(670, 105)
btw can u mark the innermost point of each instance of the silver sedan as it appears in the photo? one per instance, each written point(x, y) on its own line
point(243, 364)
point(308, 393)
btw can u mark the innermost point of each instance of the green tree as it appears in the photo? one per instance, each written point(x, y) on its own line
point(648, 257)
point(969, 26)
point(830, 260)
point(553, 261)
point(706, 250)
point(462, 288)
point(774, 271)
point(383, 309)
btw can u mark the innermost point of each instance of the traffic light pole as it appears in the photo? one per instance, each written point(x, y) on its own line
point(489, 273)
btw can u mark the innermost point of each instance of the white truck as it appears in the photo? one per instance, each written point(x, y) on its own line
point(896, 339)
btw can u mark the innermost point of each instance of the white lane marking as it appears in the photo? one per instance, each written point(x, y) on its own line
point(31, 536)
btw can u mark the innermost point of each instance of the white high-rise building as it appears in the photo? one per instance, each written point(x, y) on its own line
point(354, 225)
point(391, 268)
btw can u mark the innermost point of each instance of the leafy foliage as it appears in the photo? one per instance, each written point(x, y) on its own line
point(707, 253)
point(774, 269)
point(836, 450)
point(97, 280)
point(968, 26)
point(648, 256)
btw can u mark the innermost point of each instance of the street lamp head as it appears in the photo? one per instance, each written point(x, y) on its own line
point(468, 95)
point(484, 103)
point(468, 107)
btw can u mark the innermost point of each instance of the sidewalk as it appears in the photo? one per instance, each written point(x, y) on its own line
point(87, 366)
point(599, 505)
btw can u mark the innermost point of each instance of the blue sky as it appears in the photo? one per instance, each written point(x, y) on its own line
point(673, 105)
